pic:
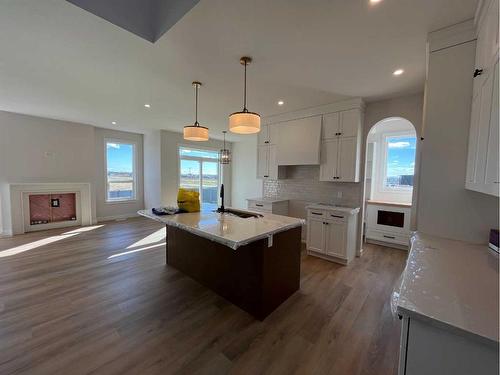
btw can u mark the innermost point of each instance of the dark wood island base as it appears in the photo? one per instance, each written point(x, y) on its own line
point(254, 277)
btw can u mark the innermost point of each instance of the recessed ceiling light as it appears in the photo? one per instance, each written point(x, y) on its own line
point(375, 1)
point(398, 72)
point(113, 122)
point(147, 105)
point(281, 102)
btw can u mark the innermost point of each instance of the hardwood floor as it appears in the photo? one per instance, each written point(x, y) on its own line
point(84, 303)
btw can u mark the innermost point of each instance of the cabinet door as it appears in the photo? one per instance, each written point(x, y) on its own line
point(335, 239)
point(350, 123)
point(272, 166)
point(315, 235)
point(330, 126)
point(473, 137)
point(348, 160)
point(329, 157)
point(491, 171)
point(262, 161)
point(263, 135)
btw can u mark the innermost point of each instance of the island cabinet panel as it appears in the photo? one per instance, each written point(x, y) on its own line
point(255, 277)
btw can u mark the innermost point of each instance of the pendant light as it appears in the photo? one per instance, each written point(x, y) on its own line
point(224, 154)
point(244, 122)
point(196, 132)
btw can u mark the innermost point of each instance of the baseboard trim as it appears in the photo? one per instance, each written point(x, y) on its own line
point(6, 234)
point(387, 244)
point(117, 217)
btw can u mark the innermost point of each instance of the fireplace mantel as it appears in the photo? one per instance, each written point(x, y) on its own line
point(19, 190)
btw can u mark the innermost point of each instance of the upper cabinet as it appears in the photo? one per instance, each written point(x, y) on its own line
point(482, 158)
point(341, 146)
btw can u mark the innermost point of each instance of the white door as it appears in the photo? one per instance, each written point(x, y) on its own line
point(315, 235)
point(330, 126)
point(329, 157)
point(335, 239)
point(263, 135)
point(272, 167)
point(262, 161)
point(347, 171)
point(350, 122)
point(492, 179)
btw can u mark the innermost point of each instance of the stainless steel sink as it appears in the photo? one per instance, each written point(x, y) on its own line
point(241, 213)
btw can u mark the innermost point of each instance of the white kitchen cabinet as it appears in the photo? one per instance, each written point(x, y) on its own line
point(331, 232)
point(267, 165)
point(335, 238)
point(264, 136)
point(341, 124)
point(315, 235)
point(482, 154)
point(340, 160)
point(269, 205)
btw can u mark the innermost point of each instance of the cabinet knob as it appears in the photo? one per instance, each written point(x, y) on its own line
point(266, 142)
point(478, 72)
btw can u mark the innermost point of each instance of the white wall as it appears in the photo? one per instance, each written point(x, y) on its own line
point(445, 207)
point(245, 183)
point(152, 169)
point(36, 149)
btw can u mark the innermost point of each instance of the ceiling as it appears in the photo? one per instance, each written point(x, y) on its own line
point(62, 62)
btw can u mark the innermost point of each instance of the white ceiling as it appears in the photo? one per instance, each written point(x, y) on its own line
point(62, 62)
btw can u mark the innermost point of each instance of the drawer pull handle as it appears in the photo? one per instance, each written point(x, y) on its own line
point(266, 175)
point(259, 205)
point(340, 217)
point(391, 237)
point(316, 213)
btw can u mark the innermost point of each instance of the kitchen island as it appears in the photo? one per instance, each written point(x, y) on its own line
point(253, 262)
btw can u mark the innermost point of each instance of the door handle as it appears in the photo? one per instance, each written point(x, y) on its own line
point(478, 72)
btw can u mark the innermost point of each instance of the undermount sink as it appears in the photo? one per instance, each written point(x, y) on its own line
point(242, 214)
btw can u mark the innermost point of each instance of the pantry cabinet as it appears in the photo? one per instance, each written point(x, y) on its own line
point(483, 154)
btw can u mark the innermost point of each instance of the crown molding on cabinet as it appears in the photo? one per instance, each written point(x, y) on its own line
point(343, 105)
point(459, 33)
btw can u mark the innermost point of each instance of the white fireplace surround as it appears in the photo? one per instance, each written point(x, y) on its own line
point(18, 192)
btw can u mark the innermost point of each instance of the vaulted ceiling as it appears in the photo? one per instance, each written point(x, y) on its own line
point(60, 61)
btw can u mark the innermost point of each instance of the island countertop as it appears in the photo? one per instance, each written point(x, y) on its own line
point(228, 229)
point(452, 283)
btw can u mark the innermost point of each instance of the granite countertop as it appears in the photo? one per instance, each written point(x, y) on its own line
point(452, 283)
point(228, 229)
point(267, 199)
point(332, 207)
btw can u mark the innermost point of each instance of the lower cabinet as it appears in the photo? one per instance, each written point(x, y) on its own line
point(332, 234)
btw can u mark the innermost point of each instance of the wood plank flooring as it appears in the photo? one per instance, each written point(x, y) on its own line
point(81, 302)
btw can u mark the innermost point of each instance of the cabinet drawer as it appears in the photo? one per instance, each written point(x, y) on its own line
point(260, 206)
point(316, 214)
point(336, 216)
point(396, 238)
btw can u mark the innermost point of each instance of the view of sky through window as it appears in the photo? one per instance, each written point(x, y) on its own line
point(400, 161)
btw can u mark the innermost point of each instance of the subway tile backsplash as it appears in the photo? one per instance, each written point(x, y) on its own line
point(302, 184)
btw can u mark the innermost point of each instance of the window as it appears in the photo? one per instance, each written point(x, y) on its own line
point(399, 162)
point(199, 170)
point(120, 171)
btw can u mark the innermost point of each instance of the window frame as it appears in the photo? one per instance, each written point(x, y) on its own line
point(383, 163)
point(199, 159)
point(134, 171)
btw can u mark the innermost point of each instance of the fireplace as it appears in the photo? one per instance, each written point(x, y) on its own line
point(39, 206)
point(52, 208)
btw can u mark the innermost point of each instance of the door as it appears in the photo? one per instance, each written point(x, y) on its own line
point(350, 122)
point(492, 179)
point(330, 126)
point(347, 171)
point(335, 239)
point(272, 167)
point(263, 161)
point(209, 185)
point(329, 157)
point(315, 235)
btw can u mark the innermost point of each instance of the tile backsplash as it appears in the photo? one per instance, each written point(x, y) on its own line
point(302, 183)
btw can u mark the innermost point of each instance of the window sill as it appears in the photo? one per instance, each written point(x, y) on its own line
point(121, 201)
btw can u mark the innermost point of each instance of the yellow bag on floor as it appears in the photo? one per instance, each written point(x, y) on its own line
point(188, 200)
